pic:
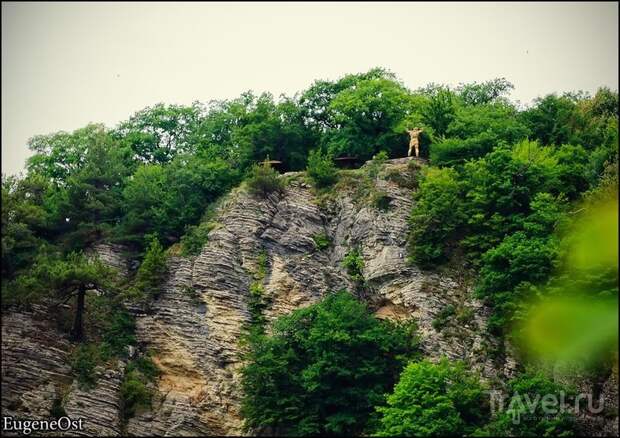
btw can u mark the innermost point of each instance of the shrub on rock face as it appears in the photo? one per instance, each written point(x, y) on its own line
point(435, 217)
point(84, 360)
point(263, 180)
point(136, 394)
point(321, 241)
point(321, 169)
point(376, 164)
point(151, 274)
point(381, 200)
point(195, 238)
point(354, 264)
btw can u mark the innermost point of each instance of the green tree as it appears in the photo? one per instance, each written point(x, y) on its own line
point(572, 170)
point(455, 151)
point(84, 172)
point(263, 180)
point(251, 128)
point(152, 272)
point(498, 118)
point(24, 220)
point(59, 155)
point(476, 130)
point(436, 217)
point(165, 199)
point(61, 279)
point(440, 109)
point(157, 134)
point(551, 119)
point(135, 391)
point(353, 262)
point(323, 369)
point(263, 132)
point(485, 92)
point(315, 101)
point(321, 169)
point(146, 201)
point(499, 189)
point(91, 204)
point(518, 420)
point(443, 399)
point(508, 269)
point(368, 119)
point(526, 257)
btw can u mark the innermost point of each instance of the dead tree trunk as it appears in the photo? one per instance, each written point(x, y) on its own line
point(78, 324)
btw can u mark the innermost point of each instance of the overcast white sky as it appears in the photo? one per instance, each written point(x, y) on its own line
point(65, 65)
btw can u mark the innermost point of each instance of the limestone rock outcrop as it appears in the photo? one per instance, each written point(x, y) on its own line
point(192, 330)
point(36, 374)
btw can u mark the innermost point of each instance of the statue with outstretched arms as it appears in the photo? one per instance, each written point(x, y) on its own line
point(414, 141)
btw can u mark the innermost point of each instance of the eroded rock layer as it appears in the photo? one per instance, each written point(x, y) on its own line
point(193, 329)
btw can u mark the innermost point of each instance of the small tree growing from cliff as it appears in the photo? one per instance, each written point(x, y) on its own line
point(136, 392)
point(67, 278)
point(152, 271)
point(354, 264)
point(263, 180)
point(321, 169)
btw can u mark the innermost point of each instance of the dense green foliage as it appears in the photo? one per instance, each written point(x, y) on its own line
point(436, 217)
point(263, 180)
point(23, 219)
point(369, 117)
point(518, 419)
point(503, 185)
point(321, 241)
point(503, 199)
point(441, 399)
point(136, 393)
point(83, 362)
point(323, 369)
point(354, 264)
point(321, 169)
point(157, 134)
point(195, 237)
point(446, 399)
point(152, 272)
point(165, 199)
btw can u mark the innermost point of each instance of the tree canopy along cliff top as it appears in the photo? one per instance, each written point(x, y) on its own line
point(301, 264)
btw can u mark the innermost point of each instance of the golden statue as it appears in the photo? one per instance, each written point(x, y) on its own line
point(414, 141)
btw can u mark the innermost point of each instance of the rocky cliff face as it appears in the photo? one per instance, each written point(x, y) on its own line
point(193, 329)
point(195, 326)
point(36, 375)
